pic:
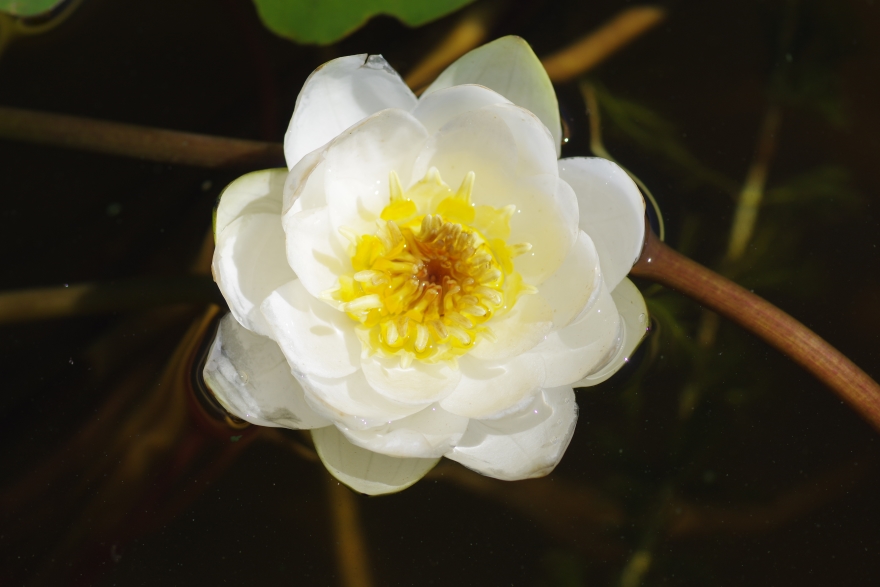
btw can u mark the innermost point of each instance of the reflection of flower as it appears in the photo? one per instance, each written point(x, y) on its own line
point(427, 280)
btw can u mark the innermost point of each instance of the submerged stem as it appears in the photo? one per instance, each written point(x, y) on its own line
point(141, 142)
point(663, 265)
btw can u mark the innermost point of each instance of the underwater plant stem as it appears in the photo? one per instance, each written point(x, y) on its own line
point(667, 267)
point(746, 214)
point(469, 32)
point(351, 546)
point(104, 298)
point(598, 45)
point(141, 142)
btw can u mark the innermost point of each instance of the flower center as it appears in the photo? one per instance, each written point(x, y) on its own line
point(436, 270)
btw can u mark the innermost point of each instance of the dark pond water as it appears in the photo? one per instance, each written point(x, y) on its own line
point(711, 460)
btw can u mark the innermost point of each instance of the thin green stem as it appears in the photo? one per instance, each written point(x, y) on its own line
point(663, 265)
point(141, 142)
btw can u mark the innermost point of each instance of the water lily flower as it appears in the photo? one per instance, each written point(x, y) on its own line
point(427, 279)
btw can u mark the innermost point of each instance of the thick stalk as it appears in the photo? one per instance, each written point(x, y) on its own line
point(667, 267)
point(141, 142)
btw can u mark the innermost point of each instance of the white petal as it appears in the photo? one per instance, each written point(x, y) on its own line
point(304, 185)
point(533, 141)
point(337, 95)
point(418, 384)
point(313, 251)
point(612, 212)
point(437, 108)
point(550, 229)
point(430, 433)
point(583, 347)
point(506, 139)
point(250, 377)
point(316, 339)
point(575, 286)
point(510, 67)
point(524, 445)
point(634, 327)
point(358, 165)
point(489, 389)
point(508, 171)
point(351, 402)
point(363, 470)
point(516, 331)
point(249, 263)
point(258, 192)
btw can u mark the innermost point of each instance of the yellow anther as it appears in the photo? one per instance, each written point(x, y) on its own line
point(422, 337)
point(520, 249)
point(363, 303)
point(459, 320)
point(366, 276)
point(391, 334)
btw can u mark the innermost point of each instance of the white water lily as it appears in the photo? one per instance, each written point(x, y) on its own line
point(426, 280)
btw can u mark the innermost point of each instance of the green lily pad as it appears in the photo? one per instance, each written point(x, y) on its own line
point(26, 8)
point(325, 21)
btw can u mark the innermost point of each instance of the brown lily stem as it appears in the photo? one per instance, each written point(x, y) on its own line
point(667, 267)
point(592, 49)
point(352, 557)
point(141, 142)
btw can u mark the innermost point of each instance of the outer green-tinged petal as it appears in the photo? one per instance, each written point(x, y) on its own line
point(585, 346)
point(430, 433)
point(337, 95)
point(527, 444)
point(316, 338)
point(510, 67)
point(612, 212)
point(419, 384)
point(366, 471)
point(635, 325)
point(249, 375)
point(489, 389)
point(249, 263)
point(258, 192)
point(575, 286)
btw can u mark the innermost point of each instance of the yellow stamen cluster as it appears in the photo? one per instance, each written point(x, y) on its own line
point(436, 270)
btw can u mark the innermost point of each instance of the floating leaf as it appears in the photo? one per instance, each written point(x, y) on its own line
point(28, 8)
point(325, 21)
